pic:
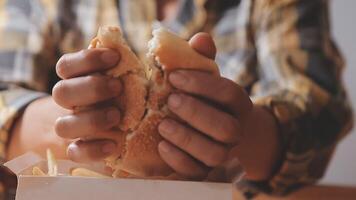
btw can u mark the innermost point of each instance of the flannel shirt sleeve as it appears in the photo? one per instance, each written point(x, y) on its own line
point(24, 26)
point(300, 83)
point(27, 39)
point(12, 101)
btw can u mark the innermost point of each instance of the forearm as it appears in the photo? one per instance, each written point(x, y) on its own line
point(260, 149)
point(305, 92)
point(33, 130)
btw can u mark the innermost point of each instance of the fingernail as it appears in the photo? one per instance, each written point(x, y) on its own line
point(108, 148)
point(174, 100)
point(164, 146)
point(110, 57)
point(115, 85)
point(113, 115)
point(178, 78)
point(166, 127)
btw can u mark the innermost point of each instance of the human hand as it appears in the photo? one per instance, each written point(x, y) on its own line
point(220, 123)
point(84, 86)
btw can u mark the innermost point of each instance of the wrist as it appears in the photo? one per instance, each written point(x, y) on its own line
point(33, 130)
point(260, 149)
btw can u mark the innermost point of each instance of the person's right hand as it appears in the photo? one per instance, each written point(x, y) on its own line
point(84, 86)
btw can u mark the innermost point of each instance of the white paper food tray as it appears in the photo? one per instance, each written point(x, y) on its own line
point(76, 188)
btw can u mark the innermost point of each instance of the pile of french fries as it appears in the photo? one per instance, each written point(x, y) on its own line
point(52, 166)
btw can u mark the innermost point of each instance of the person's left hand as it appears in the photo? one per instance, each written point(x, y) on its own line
point(217, 115)
point(212, 108)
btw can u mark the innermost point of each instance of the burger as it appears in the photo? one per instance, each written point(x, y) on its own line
point(143, 101)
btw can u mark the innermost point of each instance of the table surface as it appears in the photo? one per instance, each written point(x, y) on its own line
point(318, 192)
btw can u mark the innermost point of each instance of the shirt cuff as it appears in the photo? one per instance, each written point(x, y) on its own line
point(12, 101)
point(307, 144)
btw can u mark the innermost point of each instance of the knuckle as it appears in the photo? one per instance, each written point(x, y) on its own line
point(211, 161)
point(97, 85)
point(191, 107)
point(231, 91)
point(184, 139)
point(93, 81)
point(191, 80)
point(86, 54)
point(229, 130)
point(197, 81)
point(224, 84)
point(90, 56)
point(234, 94)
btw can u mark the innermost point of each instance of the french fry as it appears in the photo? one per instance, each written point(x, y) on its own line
point(87, 173)
point(52, 164)
point(53, 169)
point(36, 171)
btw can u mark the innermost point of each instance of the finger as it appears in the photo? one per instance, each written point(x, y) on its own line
point(89, 151)
point(182, 163)
point(202, 148)
point(219, 125)
point(86, 62)
point(83, 91)
point(204, 44)
point(86, 123)
point(217, 89)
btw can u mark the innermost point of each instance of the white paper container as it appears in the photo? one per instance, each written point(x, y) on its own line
point(75, 188)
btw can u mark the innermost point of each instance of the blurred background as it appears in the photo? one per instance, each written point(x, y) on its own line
point(342, 170)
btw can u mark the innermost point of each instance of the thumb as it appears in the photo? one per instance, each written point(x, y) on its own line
point(203, 43)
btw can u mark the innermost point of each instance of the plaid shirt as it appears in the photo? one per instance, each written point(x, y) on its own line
point(280, 51)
